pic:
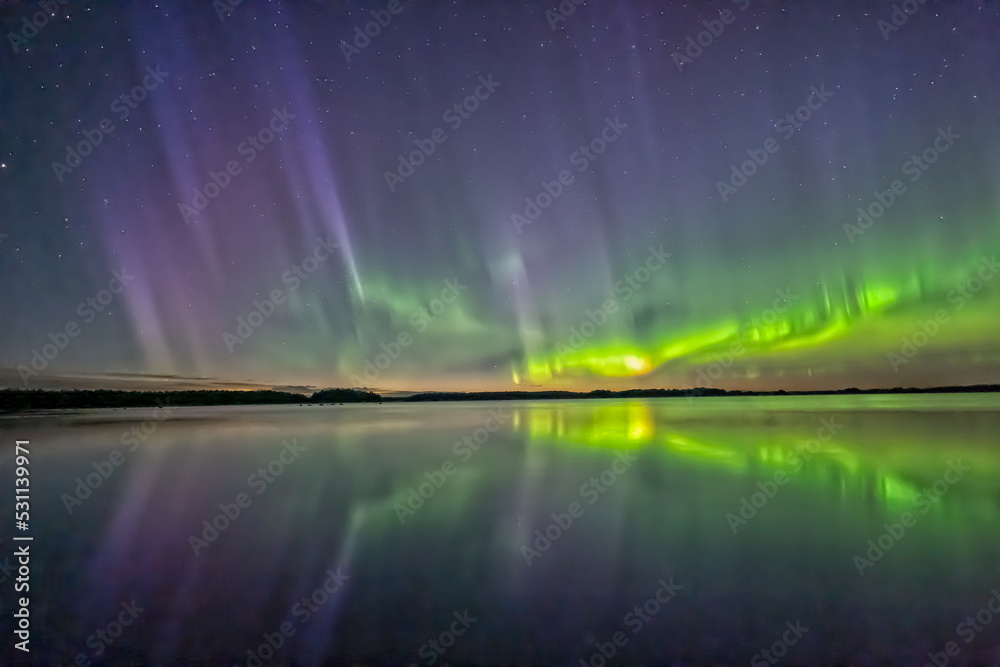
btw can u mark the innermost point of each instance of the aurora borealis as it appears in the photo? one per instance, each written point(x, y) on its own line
point(422, 524)
point(746, 194)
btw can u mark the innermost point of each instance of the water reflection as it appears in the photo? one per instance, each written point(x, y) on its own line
point(887, 455)
point(421, 512)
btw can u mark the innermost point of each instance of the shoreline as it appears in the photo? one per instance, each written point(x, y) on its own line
point(14, 401)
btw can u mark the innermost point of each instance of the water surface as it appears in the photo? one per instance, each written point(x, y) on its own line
point(517, 532)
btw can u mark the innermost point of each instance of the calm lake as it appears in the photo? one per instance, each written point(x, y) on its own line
point(666, 531)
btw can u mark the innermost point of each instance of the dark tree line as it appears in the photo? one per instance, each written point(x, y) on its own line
point(20, 399)
point(13, 400)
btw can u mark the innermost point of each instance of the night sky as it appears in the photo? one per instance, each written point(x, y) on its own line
point(606, 202)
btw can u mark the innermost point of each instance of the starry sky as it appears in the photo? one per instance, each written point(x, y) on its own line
point(748, 194)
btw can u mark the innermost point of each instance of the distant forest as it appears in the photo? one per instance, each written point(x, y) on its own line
point(15, 400)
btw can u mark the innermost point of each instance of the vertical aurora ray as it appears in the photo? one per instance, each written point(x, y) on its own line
point(858, 298)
